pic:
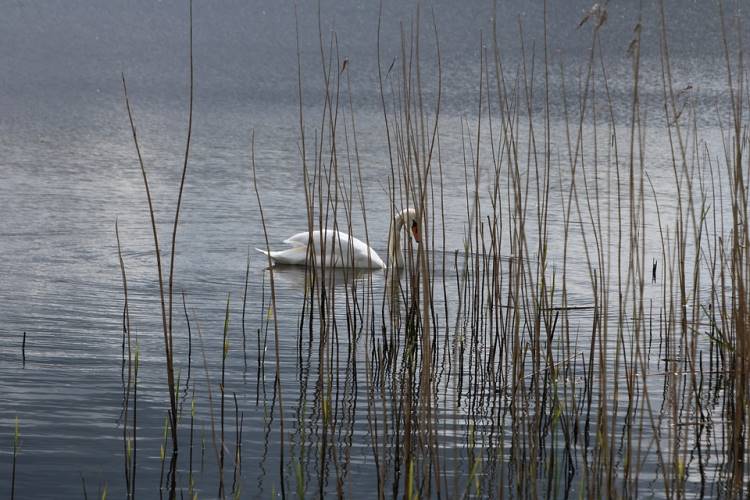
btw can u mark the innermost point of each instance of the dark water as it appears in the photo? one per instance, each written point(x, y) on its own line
point(69, 173)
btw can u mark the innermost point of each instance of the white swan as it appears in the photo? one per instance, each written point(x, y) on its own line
point(343, 250)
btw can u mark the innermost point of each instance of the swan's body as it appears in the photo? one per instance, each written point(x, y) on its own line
point(339, 249)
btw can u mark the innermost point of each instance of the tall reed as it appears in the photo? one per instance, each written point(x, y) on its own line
point(541, 358)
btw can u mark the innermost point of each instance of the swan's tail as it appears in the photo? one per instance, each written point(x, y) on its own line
point(293, 256)
point(268, 254)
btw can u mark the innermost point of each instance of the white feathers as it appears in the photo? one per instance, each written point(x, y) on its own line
point(335, 248)
point(339, 249)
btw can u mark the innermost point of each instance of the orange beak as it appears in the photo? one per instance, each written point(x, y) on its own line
point(415, 230)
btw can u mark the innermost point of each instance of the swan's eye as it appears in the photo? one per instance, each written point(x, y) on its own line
point(415, 230)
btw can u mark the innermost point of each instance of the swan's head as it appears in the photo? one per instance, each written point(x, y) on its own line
point(409, 218)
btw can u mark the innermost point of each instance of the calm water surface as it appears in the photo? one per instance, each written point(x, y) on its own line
point(69, 173)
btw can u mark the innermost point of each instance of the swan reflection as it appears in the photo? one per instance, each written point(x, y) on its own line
point(302, 278)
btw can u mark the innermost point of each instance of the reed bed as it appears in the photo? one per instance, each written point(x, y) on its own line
point(588, 340)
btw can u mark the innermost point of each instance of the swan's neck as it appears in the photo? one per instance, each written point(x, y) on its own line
point(395, 256)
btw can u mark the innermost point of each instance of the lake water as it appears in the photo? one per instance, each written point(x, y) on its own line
point(70, 172)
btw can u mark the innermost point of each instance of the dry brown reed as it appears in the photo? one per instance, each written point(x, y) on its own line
point(542, 359)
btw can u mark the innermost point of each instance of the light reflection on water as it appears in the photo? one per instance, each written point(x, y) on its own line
point(69, 171)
